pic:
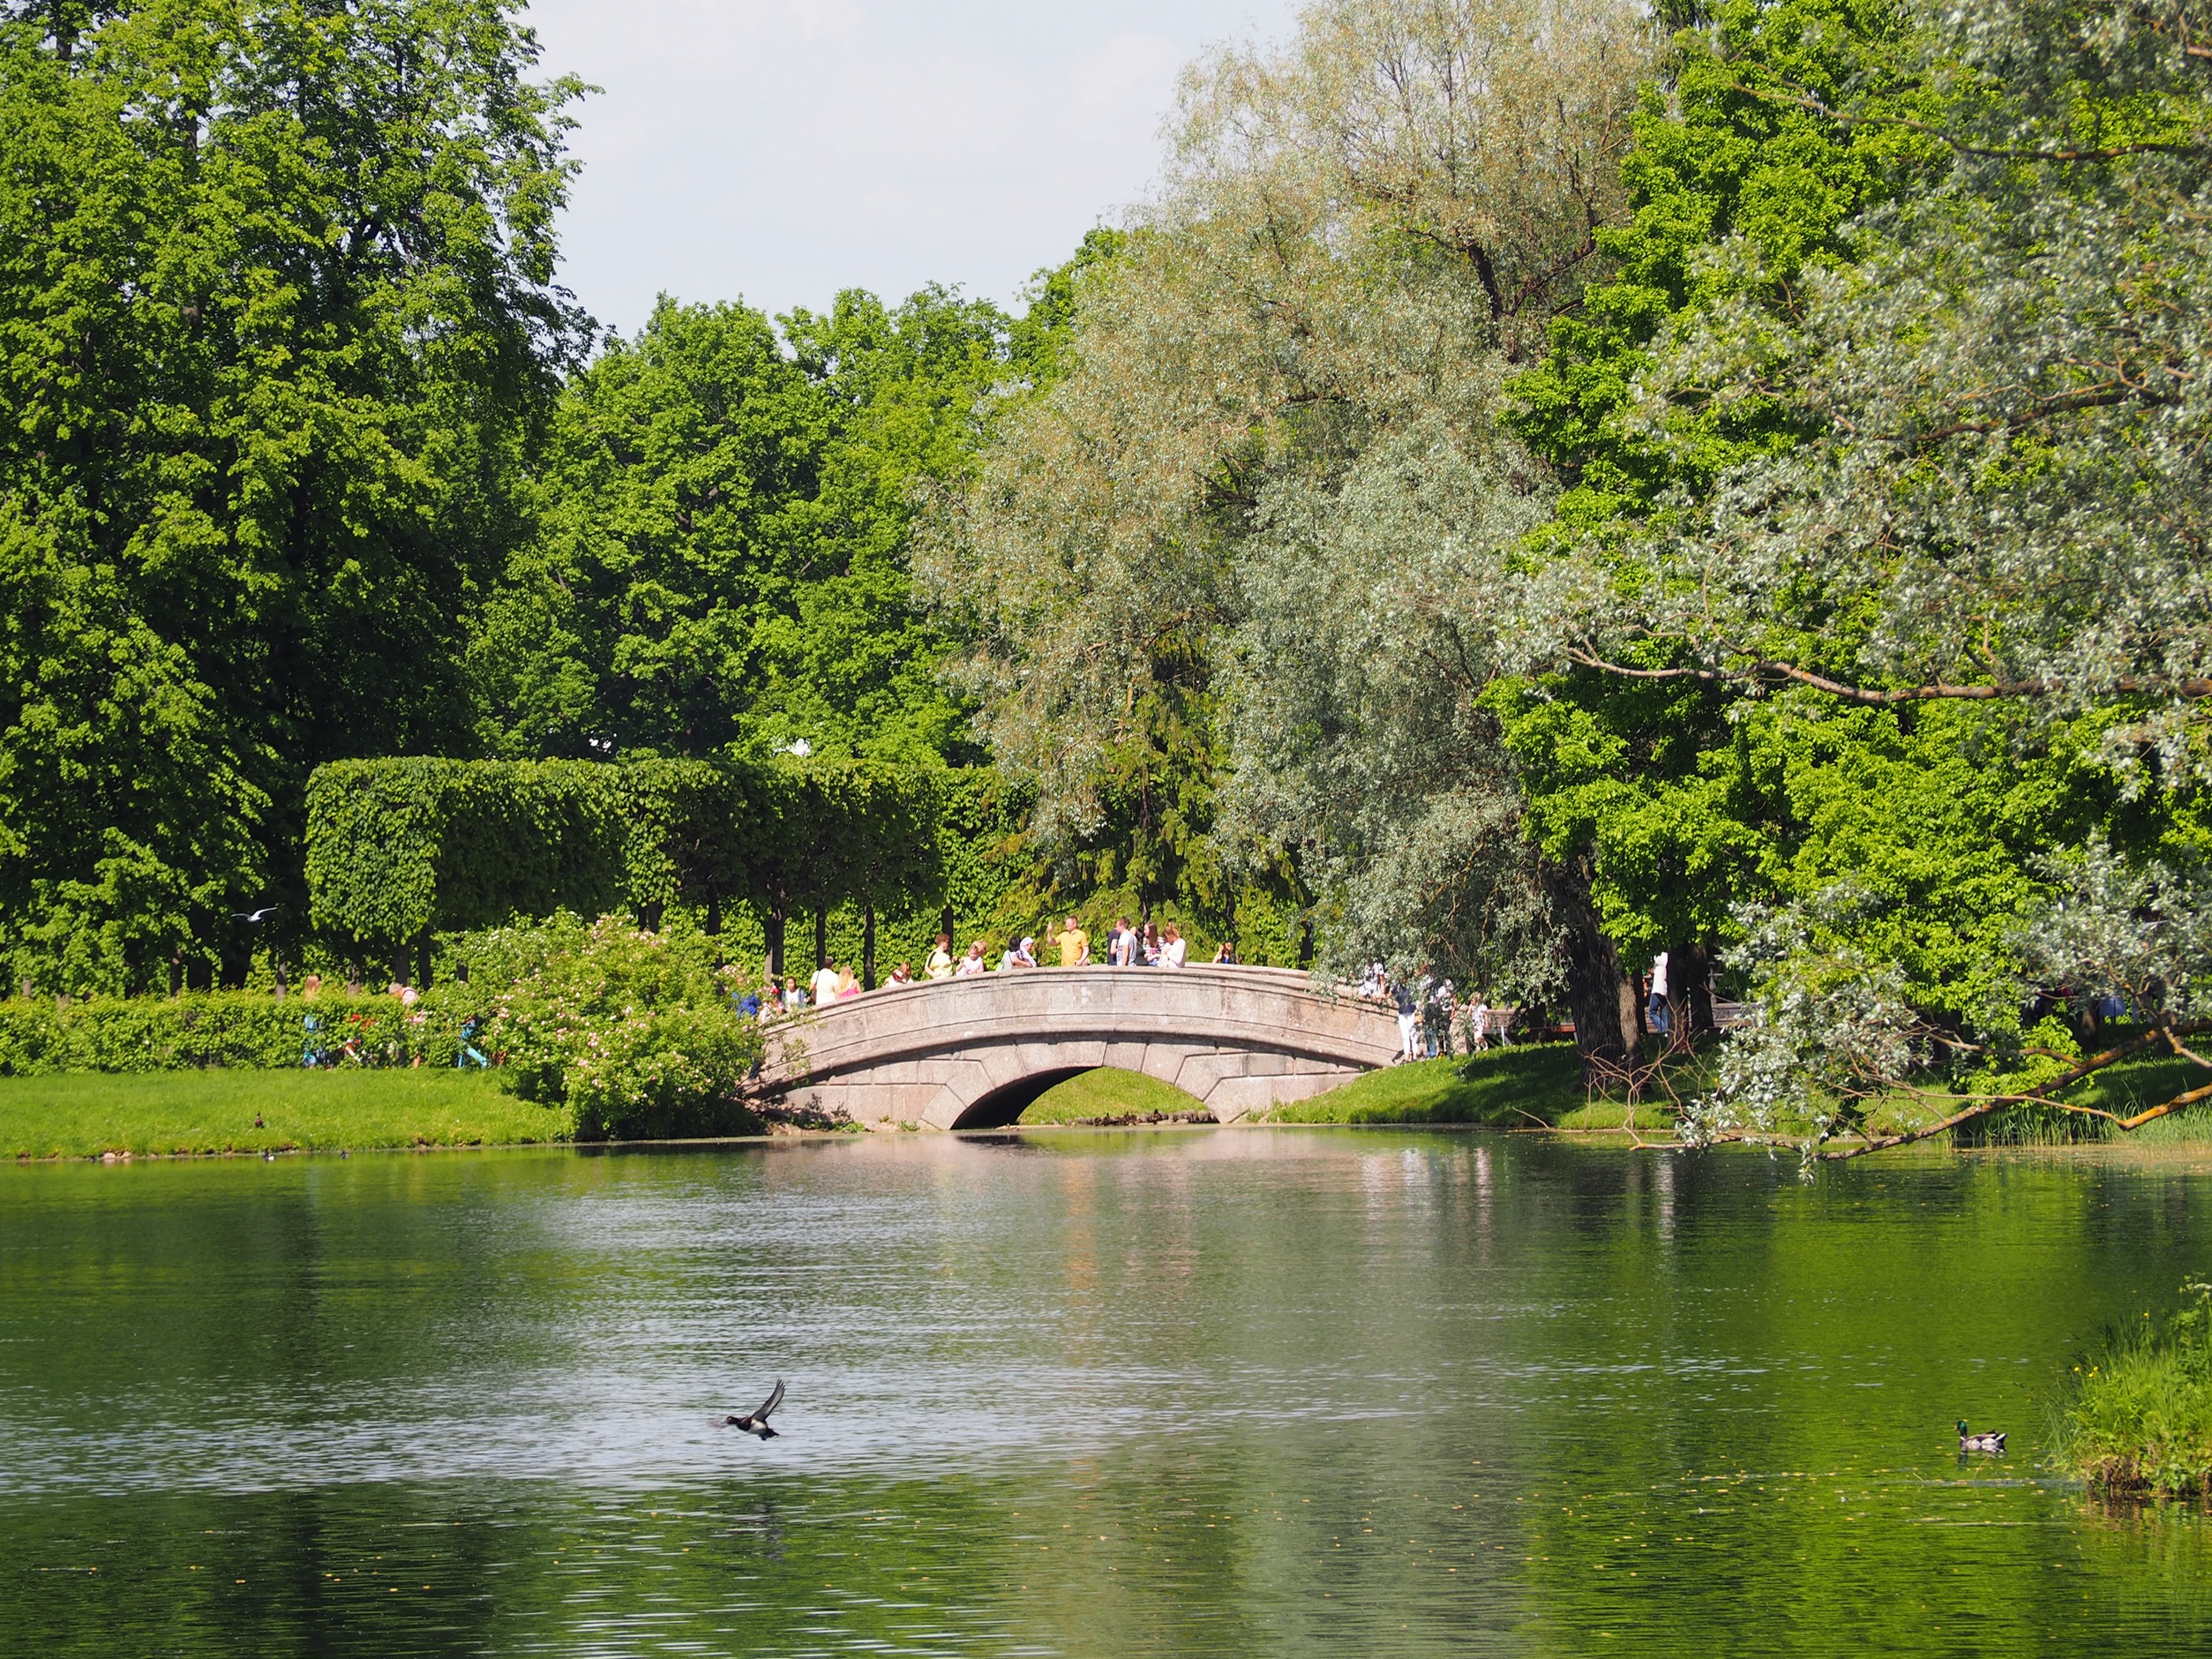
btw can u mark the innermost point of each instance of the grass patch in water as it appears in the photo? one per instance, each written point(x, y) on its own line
point(83, 1114)
point(2137, 1419)
point(1106, 1092)
point(1522, 1087)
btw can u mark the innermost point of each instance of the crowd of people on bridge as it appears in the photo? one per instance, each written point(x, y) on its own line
point(1127, 945)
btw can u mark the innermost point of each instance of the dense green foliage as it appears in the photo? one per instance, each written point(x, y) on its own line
point(1765, 527)
point(720, 555)
point(634, 1032)
point(275, 295)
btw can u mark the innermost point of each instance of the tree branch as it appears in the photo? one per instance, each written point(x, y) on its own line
point(2065, 157)
point(1990, 1103)
point(1775, 672)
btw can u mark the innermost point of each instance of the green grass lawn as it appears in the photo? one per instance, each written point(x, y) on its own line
point(1526, 1087)
point(82, 1115)
point(1106, 1092)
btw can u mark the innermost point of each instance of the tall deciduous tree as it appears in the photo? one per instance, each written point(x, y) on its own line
point(279, 321)
point(721, 553)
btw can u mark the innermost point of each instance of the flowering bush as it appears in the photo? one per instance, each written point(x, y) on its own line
point(632, 1030)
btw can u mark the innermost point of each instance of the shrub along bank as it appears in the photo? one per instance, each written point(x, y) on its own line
point(625, 1033)
point(2138, 1418)
point(231, 1029)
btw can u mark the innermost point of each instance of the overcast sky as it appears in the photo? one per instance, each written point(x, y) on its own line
point(778, 150)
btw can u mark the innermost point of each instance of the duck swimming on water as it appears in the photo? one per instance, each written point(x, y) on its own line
point(755, 1421)
point(1989, 1441)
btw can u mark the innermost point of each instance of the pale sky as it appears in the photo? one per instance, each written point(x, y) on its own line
point(778, 150)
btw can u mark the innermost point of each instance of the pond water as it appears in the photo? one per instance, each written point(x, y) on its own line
point(1283, 1392)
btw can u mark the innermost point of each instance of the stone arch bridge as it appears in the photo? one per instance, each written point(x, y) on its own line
point(973, 1052)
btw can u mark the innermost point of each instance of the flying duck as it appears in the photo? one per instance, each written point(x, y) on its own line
point(755, 1422)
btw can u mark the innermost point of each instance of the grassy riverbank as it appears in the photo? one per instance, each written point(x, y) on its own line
point(1106, 1094)
point(84, 1114)
point(1528, 1087)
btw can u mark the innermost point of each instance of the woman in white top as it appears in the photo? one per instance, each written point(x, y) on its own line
point(1172, 948)
point(825, 986)
point(973, 962)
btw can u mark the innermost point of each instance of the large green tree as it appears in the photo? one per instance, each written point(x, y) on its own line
point(277, 328)
point(720, 554)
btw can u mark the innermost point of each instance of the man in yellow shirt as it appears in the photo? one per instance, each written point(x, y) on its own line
point(1074, 946)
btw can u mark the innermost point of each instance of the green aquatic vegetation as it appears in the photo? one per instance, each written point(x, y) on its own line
point(2138, 1415)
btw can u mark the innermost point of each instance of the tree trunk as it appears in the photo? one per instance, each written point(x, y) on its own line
point(1690, 989)
point(821, 936)
point(1601, 995)
point(774, 928)
point(423, 956)
point(867, 948)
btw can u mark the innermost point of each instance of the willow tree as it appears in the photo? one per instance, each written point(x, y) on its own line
point(1275, 475)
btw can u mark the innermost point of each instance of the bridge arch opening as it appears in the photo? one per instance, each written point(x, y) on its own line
point(1003, 1106)
point(1107, 1092)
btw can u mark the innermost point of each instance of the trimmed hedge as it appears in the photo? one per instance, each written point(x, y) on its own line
point(226, 1028)
point(399, 848)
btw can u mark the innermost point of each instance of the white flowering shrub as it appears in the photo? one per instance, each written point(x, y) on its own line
point(632, 1030)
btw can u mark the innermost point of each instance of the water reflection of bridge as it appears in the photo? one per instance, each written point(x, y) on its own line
point(973, 1052)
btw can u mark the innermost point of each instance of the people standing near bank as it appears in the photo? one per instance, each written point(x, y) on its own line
point(823, 986)
point(1148, 946)
point(941, 964)
point(972, 963)
point(1479, 1025)
point(1409, 1006)
point(1656, 1011)
point(1075, 945)
point(1172, 949)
